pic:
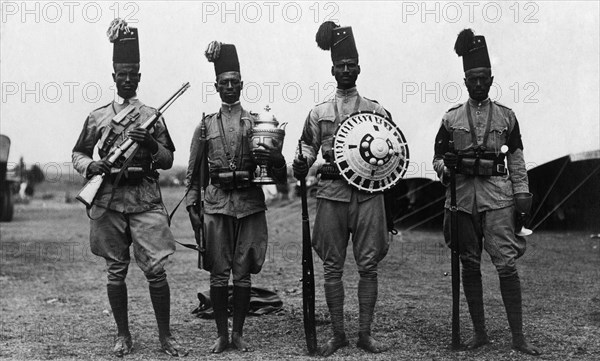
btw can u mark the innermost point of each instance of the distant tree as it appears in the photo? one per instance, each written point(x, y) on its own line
point(35, 175)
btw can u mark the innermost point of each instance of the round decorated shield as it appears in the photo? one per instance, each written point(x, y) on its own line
point(370, 151)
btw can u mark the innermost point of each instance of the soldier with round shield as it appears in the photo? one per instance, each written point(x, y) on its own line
point(232, 212)
point(346, 202)
point(481, 140)
point(129, 200)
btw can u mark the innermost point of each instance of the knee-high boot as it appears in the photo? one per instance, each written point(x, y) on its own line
point(474, 294)
point(241, 301)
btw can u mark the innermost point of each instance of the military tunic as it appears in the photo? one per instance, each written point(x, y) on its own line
point(341, 208)
point(485, 203)
point(234, 220)
point(128, 213)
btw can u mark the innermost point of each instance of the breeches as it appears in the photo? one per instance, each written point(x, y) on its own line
point(235, 246)
point(334, 223)
point(492, 230)
point(149, 232)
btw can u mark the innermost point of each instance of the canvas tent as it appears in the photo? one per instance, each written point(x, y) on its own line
point(566, 195)
point(566, 192)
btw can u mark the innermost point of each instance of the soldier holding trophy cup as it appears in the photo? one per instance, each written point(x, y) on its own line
point(225, 201)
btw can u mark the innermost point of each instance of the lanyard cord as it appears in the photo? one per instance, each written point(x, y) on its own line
point(472, 127)
point(230, 159)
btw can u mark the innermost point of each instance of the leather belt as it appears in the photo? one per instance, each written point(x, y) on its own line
point(329, 171)
point(230, 180)
point(131, 176)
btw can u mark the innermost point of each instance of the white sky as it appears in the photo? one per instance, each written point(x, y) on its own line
point(55, 66)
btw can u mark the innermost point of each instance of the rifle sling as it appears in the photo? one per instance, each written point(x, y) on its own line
point(195, 171)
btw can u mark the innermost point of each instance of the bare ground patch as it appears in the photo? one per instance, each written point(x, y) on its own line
point(54, 304)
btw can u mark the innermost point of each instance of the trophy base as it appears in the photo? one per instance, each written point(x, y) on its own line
point(263, 180)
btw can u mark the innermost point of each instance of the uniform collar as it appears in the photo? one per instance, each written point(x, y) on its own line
point(120, 100)
point(475, 103)
point(341, 93)
point(228, 108)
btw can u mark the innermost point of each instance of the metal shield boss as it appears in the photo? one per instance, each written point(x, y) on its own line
point(370, 151)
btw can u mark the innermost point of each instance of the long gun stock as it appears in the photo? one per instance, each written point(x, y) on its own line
point(454, 261)
point(308, 277)
point(200, 172)
point(90, 189)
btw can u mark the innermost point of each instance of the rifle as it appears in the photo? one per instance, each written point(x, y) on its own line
point(199, 171)
point(90, 189)
point(308, 277)
point(455, 266)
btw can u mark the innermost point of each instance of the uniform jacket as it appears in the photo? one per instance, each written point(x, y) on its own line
point(481, 193)
point(319, 129)
point(126, 198)
point(237, 126)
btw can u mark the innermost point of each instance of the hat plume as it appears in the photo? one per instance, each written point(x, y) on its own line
point(463, 42)
point(213, 51)
point(324, 35)
point(114, 27)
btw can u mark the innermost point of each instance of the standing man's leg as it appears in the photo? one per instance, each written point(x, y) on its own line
point(370, 246)
point(116, 289)
point(249, 256)
point(153, 243)
point(470, 247)
point(504, 248)
point(330, 240)
point(220, 235)
point(109, 239)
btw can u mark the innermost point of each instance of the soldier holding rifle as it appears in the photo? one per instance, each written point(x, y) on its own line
point(484, 133)
point(128, 207)
point(234, 223)
point(341, 208)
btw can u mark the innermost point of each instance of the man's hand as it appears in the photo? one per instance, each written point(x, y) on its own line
point(144, 138)
point(98, 167)
point(270, 154)
point(450, 160)
point(300, 167)
point(195, 218)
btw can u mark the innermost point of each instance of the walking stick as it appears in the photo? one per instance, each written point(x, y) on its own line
point(455, 266)
point(308, 277)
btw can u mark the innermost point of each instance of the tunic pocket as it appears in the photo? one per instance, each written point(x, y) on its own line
point(497, 138)
point(462, 138)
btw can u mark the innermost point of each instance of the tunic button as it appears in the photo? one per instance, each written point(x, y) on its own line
point(231, 129)
point(478, 112)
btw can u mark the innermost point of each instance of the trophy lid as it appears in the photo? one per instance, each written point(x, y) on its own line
point(266, 117)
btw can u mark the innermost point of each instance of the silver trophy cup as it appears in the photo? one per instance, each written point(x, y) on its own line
point(266, 129)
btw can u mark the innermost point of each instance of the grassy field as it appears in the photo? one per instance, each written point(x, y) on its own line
point(54, 304)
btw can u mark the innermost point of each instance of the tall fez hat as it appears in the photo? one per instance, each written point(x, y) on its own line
point(126, 46)
point(224, 56)
point(473, 50)
point(339, 39)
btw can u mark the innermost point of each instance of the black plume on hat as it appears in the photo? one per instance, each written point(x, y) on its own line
point(324, 35)
point(338, 39)
point(473, 49)
point(463, 42)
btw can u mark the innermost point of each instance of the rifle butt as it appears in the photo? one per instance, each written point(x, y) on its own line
point(87, 194)
point(308, 289)
point(455, 264)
